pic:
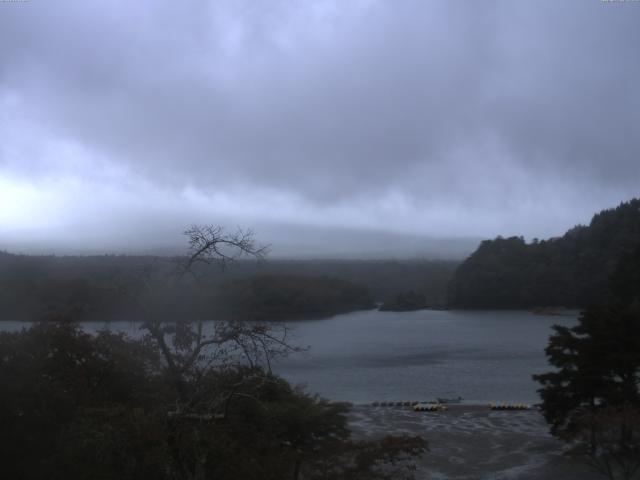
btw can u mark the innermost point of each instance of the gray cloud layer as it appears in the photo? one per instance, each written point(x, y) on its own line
point(434, 118)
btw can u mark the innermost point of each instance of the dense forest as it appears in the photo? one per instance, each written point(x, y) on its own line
point(383, 278)
point(572, 270)
point(405, 302)
point(116, 287)
point(281, 297)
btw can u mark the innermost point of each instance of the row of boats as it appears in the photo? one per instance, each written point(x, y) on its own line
point(413, 404)
point(509, 406)
point(429, 407)
point(441, 405)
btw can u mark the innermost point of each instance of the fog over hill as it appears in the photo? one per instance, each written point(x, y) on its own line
point(284, 241)
point(301, 242)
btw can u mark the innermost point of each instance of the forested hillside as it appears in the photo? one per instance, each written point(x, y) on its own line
point(572, 270)
point(282, 297)
point(117, 287)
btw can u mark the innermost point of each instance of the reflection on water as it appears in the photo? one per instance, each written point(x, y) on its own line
point(370, 355)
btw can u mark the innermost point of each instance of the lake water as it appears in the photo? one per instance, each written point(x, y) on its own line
point(375, 356)
point(371, 356)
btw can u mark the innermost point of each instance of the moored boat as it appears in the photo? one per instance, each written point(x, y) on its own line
point(449, 400)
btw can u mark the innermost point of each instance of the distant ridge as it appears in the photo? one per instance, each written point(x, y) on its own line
point(572, 270)
point(286, 241)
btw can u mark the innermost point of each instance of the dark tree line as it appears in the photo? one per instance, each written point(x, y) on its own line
point(572, 270)
point(404, 302)
point(283, 297)
point(106, 287)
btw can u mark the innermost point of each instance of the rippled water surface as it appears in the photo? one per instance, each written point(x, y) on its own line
point(370, 355)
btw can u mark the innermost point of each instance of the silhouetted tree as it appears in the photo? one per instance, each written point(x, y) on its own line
point(598, 374)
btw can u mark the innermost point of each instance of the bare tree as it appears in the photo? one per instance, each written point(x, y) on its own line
point(211, 244)
point(190, 348)
point(194, 352)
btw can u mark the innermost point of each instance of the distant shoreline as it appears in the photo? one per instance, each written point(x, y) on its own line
point(556, 311)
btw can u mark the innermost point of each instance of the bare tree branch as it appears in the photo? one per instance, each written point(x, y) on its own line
point(211, 244)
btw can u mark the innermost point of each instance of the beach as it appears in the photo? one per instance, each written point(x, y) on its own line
point(473, 442)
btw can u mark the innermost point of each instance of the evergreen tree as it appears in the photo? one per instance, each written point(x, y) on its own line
point(597, 373)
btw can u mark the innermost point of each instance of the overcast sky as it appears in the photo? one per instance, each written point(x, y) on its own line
point(121, 122)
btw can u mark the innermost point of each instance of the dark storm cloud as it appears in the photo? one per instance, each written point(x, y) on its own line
point(440, 118)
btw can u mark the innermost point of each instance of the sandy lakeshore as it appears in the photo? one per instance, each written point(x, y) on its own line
point(474, 442)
